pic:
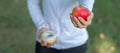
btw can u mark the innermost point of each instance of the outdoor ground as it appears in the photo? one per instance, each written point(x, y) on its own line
point(17, 31)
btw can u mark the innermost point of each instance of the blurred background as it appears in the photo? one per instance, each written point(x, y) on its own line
point(17, 31)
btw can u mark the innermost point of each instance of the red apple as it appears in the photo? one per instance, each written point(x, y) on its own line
point(80, 11)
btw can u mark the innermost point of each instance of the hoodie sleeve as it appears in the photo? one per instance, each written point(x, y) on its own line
point(87, 3)
point(36, 13)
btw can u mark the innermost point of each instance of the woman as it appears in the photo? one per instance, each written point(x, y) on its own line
point(55, 15)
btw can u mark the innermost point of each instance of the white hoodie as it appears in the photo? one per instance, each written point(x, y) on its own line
point(55, 14)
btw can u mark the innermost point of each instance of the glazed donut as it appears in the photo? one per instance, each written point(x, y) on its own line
point(49, 37)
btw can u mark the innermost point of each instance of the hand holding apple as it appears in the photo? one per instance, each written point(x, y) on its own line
point(80, 11)
point(81, 21)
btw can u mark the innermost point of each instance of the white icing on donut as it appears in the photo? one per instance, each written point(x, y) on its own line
point(48, 36)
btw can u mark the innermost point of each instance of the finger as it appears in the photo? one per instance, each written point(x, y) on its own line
point(44, 44)
point(89, 20)
point(72, 19)
point(40, 39)
point(78, 23)
point(84, 22)
point(90, 17)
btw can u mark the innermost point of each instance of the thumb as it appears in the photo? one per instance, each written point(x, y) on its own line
point(88, 18)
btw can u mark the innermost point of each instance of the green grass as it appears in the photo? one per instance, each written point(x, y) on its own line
point(17, 31)
point(105, 22)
